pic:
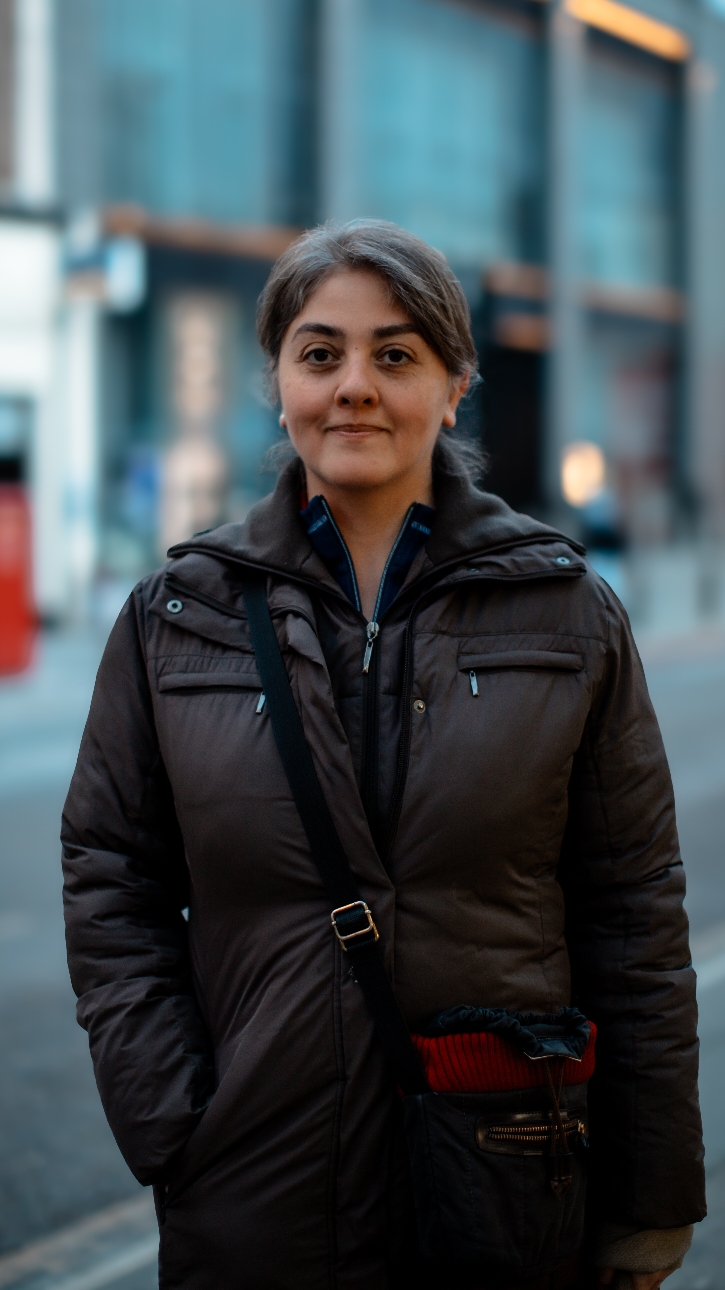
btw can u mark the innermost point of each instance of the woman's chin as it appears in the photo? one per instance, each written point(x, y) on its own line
point(357, 469)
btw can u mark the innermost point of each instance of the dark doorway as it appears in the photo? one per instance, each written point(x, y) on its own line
point(16, 416)
point(512, 417)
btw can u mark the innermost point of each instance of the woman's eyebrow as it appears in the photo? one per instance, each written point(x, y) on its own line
point(322, 329)
point(395, 329)
point(379, 333)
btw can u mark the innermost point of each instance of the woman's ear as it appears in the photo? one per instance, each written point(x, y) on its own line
point(457, 389)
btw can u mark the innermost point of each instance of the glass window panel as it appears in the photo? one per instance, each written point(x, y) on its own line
point(453, 113)
point(207, 107)
point(629, 166)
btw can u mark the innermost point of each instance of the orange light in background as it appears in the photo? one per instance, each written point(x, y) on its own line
point(583, 472)
point(631, 25)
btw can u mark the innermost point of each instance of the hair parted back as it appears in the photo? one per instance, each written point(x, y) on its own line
point(419, 279)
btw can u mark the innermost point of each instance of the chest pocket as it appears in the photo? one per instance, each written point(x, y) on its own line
point(517, 659)
point(216, 679)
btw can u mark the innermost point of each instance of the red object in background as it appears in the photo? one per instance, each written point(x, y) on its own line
point(18, 623)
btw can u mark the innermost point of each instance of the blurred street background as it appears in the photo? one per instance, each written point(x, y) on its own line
point(155, 157)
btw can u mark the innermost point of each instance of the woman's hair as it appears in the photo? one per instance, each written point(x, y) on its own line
point(419, 279)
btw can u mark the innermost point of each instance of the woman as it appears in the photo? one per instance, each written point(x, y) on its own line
point(480, 725)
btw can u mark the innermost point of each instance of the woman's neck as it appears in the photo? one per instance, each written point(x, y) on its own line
point(370, 520)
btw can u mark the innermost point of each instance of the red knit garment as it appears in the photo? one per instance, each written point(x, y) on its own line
point(486, 1063)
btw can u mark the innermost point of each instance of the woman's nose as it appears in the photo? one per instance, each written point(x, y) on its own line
point(357, 387)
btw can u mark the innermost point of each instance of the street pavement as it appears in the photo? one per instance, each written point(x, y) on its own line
point(688, 691)
point(58, 1159)
point(71, 1215)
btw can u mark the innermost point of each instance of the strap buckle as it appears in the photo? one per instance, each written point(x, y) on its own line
point(351, 914)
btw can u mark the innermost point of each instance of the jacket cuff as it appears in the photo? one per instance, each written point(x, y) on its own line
point(631, 1249)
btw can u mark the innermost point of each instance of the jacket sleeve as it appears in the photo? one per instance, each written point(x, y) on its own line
point(125, 887)
point(627, 933)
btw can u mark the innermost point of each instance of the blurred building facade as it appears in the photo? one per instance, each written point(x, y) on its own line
point(565, 155)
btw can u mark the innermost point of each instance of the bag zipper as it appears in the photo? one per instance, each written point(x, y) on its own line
point(532, 1133)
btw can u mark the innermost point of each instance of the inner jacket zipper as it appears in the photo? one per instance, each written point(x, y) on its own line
point(372, 629)
point(369, 759)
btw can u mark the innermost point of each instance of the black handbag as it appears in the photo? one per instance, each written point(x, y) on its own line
point(498, 1178)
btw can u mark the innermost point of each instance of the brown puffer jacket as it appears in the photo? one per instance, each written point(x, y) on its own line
point(518, 850)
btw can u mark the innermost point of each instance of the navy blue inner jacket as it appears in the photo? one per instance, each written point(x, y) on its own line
point(330, 545)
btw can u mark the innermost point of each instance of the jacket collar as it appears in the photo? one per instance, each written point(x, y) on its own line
point(469, 523)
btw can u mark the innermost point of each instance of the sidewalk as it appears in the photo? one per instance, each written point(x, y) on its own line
point(43, 711)
point(116, 1247)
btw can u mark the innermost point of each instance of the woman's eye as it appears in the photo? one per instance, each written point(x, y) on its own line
point(396, 357)
point(318, 356)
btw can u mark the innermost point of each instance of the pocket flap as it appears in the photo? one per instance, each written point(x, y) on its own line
point(521, 658)
point(210, 681)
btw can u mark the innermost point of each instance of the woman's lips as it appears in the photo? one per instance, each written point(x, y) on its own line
point(357, 430)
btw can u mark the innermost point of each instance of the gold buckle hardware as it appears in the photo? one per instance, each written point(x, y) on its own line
point(352, 936)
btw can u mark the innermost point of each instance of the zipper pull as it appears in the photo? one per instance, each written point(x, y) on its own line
point(372, 631)
point(474, 683)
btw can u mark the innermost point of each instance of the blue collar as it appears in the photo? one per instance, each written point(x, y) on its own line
point(330, 545)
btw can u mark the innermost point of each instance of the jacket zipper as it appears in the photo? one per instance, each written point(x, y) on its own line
point(371, 714)
point(373, 627)
point(369, 749)
point(369, 759)
point(372, 631)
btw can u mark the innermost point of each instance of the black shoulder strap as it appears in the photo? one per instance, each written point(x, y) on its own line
point(351, 918)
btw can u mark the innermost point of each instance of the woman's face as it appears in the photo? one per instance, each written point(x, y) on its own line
point(363, 395)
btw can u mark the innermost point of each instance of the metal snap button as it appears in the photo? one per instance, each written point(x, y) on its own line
point(419, 705)
point(174, 606)
point(563, 559)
